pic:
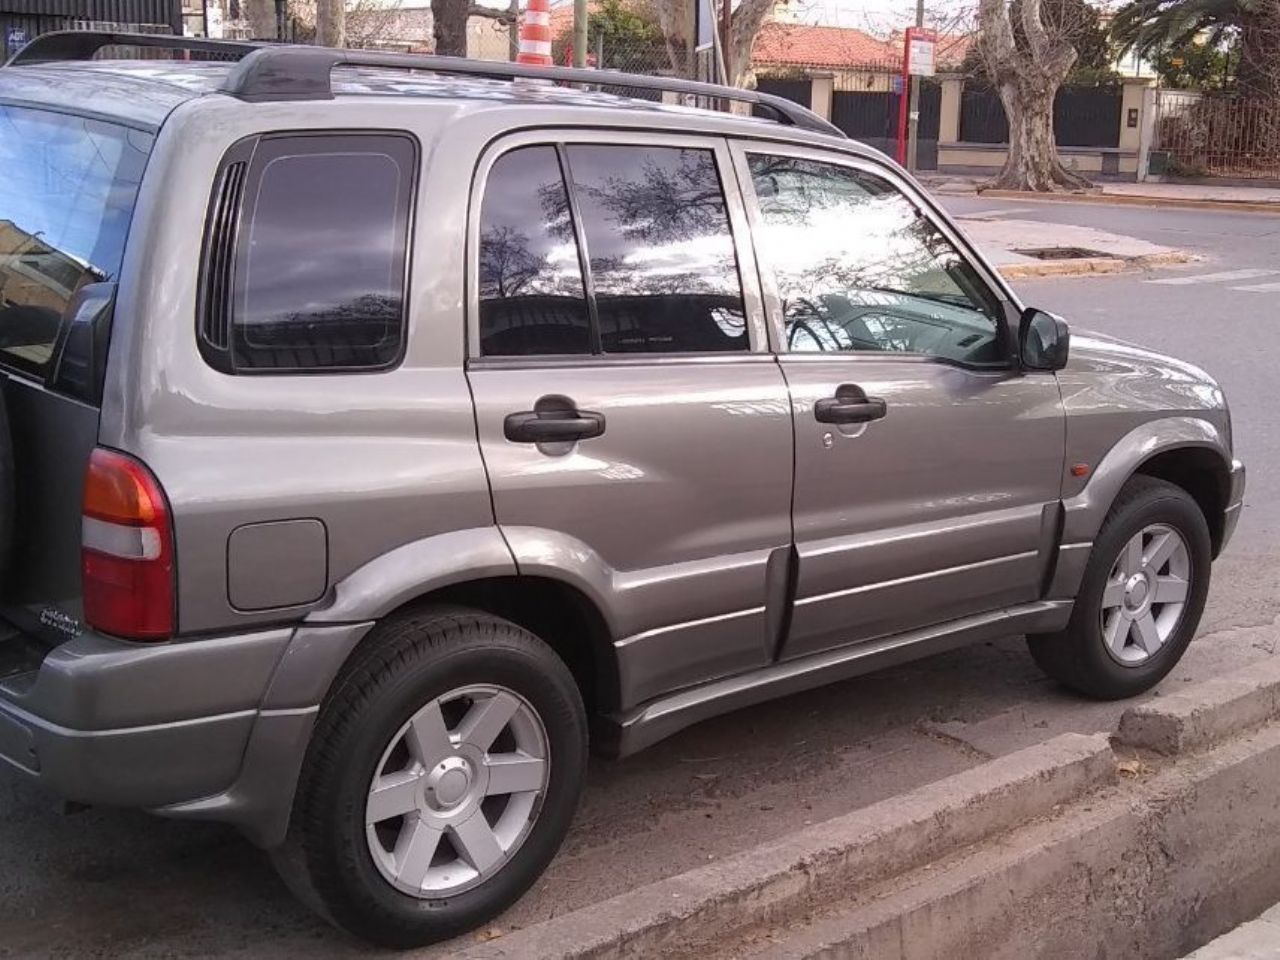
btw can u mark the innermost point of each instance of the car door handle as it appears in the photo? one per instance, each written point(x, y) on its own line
point(552, 426)
point(840, 409)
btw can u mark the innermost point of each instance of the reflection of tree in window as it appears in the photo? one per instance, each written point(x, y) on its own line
point(859, 268)
point(662, 258)
point(531, 291)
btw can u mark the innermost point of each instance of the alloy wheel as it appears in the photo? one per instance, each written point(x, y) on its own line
point(1145, 594)
point(457, 791)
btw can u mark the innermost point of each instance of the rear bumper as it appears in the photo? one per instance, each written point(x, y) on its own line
point(184, 728)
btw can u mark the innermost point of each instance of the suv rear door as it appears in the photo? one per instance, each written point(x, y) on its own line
point(928, 468)
point(67, 191)
point(634, 424)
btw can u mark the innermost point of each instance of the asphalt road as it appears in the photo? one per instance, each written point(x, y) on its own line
point(117, 884)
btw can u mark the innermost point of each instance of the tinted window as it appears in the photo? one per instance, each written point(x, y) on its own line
point(663, 267)
point(67, 190)
point(859, 268)
point(321, 253)
point(531, 292)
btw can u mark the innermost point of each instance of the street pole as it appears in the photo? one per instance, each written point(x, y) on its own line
point(579, 33)
point(913, 114)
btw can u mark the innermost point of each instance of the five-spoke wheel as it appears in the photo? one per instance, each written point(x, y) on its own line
point(456, 790)
point(1146, 593)
point(1141, 597)
point(441, 778)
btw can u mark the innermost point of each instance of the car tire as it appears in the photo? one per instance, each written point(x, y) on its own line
point(1103, 652)
point(405, 728)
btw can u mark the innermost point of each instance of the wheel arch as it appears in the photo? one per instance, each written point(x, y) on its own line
point(1203, 474)
point(1187, 451)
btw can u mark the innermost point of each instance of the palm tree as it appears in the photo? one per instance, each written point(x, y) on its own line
point(1149, 25)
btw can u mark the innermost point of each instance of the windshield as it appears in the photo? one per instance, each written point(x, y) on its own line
point(67, 190)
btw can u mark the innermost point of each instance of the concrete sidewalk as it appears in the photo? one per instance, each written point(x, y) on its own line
point(1030, 248)
point(1194, 195)
point(1256, 940)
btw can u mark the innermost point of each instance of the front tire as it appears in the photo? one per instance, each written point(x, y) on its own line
point(441, 779)
point(1141, 598)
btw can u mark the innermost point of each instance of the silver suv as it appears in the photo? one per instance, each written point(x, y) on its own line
point(379, 425)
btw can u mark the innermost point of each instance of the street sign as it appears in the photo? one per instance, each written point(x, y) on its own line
point(15, 38)
point(921, 45)
point(899, 84)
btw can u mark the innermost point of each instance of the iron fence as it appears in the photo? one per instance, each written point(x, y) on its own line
point(1217, 135)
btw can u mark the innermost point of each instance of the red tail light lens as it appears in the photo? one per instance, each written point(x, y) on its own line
point(126, 557)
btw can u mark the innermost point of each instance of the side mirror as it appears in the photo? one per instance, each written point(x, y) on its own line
point(1043, 340)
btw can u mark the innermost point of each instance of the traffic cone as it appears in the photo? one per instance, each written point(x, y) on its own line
point(535, 34)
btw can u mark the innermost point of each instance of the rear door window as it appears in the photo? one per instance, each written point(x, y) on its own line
point(607, 248)
point(663, 266)
point(67, 191)
point(531, 293)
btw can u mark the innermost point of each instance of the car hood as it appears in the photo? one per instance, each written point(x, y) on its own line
point(1135, 376)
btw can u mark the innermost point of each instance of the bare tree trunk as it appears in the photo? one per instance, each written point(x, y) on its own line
point(261, 15)
point(747, 21)
point(1033, 162)
point(449, 25)
point(1027, 72)
point(331, 23)
point(673, 19)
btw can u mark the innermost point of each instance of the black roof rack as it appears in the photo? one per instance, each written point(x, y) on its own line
point(273, 72)
point(83, 44)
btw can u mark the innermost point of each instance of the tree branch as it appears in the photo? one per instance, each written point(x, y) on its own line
point(492, 13)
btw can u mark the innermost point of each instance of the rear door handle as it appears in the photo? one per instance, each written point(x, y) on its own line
point(552, 426)
point(849, 405)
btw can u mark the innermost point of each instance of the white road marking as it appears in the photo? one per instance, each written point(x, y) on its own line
point(1261, 288)
point(1222, 277)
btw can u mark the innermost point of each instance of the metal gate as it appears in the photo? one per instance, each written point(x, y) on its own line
point(1082, 116)
point(797, 91)
point(873, 119)
point(1215, 135)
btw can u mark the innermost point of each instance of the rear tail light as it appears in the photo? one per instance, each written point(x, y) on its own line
point(126, 559)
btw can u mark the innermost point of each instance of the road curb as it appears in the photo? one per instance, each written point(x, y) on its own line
point(1093, 265)
point(1209, 713)
point(1120, 200)
point(778, 879)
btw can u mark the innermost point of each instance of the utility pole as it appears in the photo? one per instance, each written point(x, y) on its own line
point(579, 33)
point(913, 116)
point(513, 28)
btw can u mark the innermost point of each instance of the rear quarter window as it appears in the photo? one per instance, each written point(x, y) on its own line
point(318, 253)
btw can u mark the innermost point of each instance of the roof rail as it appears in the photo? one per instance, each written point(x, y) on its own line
point(303, 73)
point(83, 44)
point(272, 72)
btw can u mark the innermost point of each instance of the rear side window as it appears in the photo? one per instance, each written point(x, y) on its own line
point(662, 260)
point(607, 249)
point(531, 292)
point(67, 191)
point(306, 254)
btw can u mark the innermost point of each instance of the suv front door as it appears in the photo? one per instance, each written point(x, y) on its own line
point(634, 424)
point(928, 467)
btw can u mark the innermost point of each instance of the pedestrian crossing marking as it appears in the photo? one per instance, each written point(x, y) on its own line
point(1223, 277)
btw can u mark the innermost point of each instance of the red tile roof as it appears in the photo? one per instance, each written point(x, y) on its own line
point(797, 44)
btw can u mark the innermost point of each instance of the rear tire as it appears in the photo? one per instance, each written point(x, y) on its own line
point(404, 847)
point(1154, 537)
